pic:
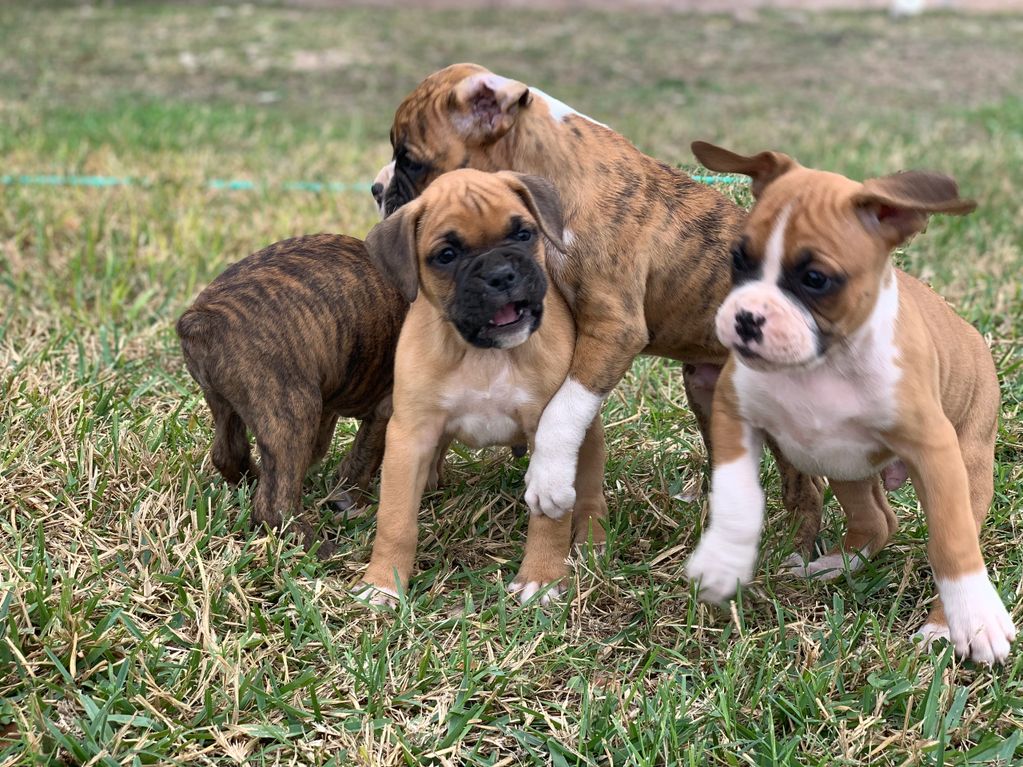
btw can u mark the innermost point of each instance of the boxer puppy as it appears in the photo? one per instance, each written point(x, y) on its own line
point(646, 262)
point(283, 343)
point(849, 364)
point(485, 346)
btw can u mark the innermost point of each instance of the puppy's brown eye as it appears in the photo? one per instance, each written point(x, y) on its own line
point(445, 256)
point(523, 235)
point(410, 166)
point(816, 282)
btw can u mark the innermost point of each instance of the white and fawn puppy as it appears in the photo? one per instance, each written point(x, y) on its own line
point(850, 365)
point(487, 342)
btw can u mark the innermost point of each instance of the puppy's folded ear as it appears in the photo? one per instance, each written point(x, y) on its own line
point(484, 106)
point(896, 207)
point(392, 247)
point(543, 201)
point(763, 168)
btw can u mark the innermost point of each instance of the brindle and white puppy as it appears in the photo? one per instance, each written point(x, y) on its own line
point(849, 364)
point(485, 345)
point(645, 264)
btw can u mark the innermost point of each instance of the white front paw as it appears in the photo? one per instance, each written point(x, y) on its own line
point(720, 566)
point(979, 626)
point(550, 485)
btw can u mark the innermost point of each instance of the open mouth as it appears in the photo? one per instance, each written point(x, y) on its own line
point(510, 314)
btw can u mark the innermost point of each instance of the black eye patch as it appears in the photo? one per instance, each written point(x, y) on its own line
point(744, 266)
point(405, 163)
point(809, 281)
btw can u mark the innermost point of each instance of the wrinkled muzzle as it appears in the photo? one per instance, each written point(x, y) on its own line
point(498, 298)
point(767, 328)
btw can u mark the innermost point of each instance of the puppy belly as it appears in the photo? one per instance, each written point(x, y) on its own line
point(838, 459)
point(484, 430)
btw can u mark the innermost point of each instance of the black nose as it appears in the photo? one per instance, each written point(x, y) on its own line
point(748, 325)
point(500, 278)
point(377, 190)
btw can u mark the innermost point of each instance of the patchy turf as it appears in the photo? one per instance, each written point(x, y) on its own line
point(143, 623)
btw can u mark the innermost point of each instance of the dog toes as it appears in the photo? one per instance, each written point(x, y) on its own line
point(375, 596)
point(823, 568)
point(930, 633)
point(342, 501)
point(527, 590)
point(719, 566)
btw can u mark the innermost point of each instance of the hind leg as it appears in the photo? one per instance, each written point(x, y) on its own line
point(436, 477)
point(589, 517)
point(286, 447)
point(803, 498)
point(870, 524)
point(360, 465)
point(328, 422)
point(230, 451)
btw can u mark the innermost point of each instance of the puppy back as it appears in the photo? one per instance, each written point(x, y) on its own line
point(304, 304)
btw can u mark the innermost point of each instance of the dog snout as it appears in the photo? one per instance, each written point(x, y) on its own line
point(749, 326)
point(377, 190)
point(500, 277)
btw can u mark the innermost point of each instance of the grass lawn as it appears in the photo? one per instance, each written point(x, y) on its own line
point(144, 623)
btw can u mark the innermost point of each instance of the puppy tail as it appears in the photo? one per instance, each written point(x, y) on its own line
point(190, 325)
point(194, 330)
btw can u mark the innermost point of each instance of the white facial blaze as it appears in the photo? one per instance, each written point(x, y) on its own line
point(786, 333)
point(775, 249)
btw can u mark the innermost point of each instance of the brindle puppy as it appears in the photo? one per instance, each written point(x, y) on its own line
point(285, 342)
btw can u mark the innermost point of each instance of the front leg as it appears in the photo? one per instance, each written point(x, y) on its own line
point(979, 626)
point(544, 565)
point(727, 552)
point(411, 449)
point(604, 351)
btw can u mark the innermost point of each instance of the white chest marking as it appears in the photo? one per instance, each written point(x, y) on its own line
point(828, 419)
point(484, 405)
point(560, 110)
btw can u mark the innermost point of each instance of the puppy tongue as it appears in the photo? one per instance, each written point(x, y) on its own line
point(506, 315)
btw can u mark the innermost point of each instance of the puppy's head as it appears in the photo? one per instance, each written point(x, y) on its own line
point(472, 244)
point(451, 120)
point(380, 183)
point(814, 256)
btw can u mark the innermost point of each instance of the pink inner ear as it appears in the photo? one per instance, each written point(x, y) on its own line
point(485, 107)
point(887, 211)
